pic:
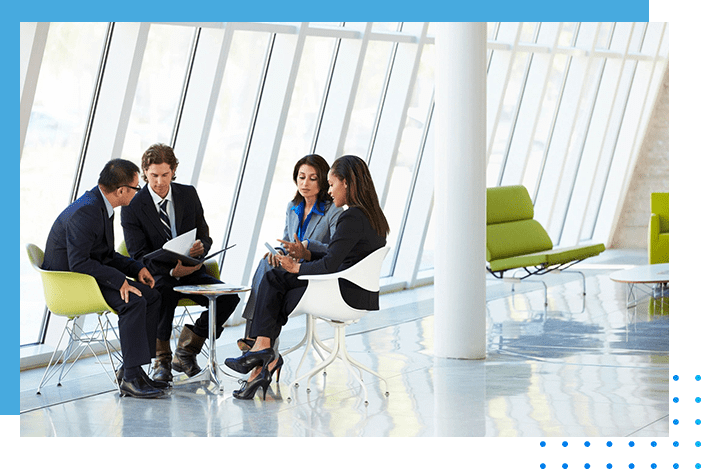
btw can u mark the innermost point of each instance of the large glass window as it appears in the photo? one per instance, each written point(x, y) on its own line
point(230, 128)
point(52, 148)
point(300, 126)
point(159, 90)
point(566, 109)
point(367, 100)
point(409, 147)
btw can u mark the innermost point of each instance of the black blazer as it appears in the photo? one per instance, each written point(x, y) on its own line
point(143, 232)
point(82, 240)
point(353, 240)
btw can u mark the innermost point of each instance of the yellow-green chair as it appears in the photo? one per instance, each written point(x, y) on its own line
point(658, 229)
point(73, 295)
point(212, 268)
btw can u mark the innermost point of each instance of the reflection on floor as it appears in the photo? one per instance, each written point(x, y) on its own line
point(583, 367)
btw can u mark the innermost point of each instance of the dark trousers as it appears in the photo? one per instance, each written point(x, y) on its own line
point(226, 304)
point(278, 294)
point(137, 320)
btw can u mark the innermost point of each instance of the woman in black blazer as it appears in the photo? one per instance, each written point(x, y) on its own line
point(360, 230)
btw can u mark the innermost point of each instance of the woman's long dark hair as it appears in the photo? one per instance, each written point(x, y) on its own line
point(361, 190)
point(322, 170)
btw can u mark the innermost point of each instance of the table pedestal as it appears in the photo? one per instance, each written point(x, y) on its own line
point(210, 373)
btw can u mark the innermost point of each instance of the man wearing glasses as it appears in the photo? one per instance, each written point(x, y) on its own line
point(157, 214)
point(82, 240)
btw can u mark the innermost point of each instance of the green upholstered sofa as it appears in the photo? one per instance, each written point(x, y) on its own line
point(516, 241)
point(658, 229)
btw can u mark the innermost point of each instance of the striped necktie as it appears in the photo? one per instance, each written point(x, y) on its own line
point(163, 213)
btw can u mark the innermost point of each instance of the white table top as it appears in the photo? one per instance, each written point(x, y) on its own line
point(652, 273)
point(214, 288)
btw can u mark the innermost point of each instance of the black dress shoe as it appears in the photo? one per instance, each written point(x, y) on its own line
point(138, 387)
point(144, 376)
point(152, 382)
point(250, 360)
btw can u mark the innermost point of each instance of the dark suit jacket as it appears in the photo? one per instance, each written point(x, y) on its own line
point(143, 232)
point(82, 240)
point(353, 240)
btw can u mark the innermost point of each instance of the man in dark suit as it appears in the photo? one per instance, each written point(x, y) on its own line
point(82, 240)
point(161, 212)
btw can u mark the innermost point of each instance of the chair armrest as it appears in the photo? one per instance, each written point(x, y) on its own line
point(319, 277)
point(654, 227)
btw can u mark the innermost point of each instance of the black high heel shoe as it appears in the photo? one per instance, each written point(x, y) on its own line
point(277, 368)
point(249, 388)
point(249, 360)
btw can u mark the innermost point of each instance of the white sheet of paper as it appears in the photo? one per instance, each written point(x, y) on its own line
point(182, 243)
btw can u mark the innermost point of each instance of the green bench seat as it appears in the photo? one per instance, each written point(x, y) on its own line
point(516, 241)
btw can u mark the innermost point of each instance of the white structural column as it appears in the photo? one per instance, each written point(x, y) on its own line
point(460, 191)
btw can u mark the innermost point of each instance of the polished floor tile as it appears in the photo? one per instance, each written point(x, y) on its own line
point(583, 366)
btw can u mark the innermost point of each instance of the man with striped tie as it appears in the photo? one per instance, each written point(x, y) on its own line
point(164, 210)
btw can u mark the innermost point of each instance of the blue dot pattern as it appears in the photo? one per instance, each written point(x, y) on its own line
point(631, 443)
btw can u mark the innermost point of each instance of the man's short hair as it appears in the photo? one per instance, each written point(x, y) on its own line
point(156, 154)
point(117, 173)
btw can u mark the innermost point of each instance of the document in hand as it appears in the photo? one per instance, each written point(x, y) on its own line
point(179, 249)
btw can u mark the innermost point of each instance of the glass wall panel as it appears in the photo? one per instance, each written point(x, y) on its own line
point(230, 127)
point(387, 26)
point(297, 139)
point(52, 147)
point(367, 100)
point(409, 147)
point(427, 255)
point(159, 89)
point(507, 116)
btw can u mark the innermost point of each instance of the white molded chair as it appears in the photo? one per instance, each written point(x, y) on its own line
point(73, 295)
point(322, 299)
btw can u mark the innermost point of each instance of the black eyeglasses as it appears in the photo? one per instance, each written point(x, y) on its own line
point(137, 188)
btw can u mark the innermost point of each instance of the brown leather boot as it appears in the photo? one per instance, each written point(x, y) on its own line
point(189, 345)
point(161, 366)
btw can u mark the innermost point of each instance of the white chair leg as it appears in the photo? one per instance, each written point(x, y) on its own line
point(359, 365)
point(310, 339)
point(318, 368)
point(341, 339)
point(305, 339)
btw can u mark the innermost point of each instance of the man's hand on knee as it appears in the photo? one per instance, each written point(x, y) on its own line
point(125, 289)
